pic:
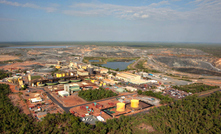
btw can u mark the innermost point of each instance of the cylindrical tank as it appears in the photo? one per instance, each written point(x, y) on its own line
point(63, 74)
point(38, 83)
point(134, 103)
point(120, 107)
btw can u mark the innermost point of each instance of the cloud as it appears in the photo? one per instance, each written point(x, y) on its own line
point(205, 10)
point(159, 3)
point(28, 5)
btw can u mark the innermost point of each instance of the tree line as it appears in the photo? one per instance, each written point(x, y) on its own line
point(4, 74)
point(96, 94)
point(195, 87)
point(189, 115)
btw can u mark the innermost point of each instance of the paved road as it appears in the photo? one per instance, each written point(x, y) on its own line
point(66, 109)
point(133, 66)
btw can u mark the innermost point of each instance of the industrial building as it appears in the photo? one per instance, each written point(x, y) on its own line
point(109, 81)
point(63, 93)
point(34, 100)
point(70, 88)
point(128, 77)
point(103, 71)
point(91, 70)
point(81, 72)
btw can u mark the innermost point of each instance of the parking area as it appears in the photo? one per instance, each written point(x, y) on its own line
point(174, 93)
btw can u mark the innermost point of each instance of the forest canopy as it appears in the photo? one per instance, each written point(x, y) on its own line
point(195, 87)
point(189, 115)
point(96, 94)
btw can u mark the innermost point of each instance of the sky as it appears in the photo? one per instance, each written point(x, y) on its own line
point(111, 20)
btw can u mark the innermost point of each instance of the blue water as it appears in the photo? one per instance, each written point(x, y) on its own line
point(41, 47)
point(94, 60)
point(120, 65)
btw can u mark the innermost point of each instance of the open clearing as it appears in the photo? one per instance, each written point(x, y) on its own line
point(8, 57)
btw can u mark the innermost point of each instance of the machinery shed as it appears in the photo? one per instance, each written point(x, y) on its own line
point(63, 93)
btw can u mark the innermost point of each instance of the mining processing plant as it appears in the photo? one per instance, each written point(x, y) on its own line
point(125, 108)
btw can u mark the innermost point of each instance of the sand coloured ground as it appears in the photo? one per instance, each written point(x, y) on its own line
point(8, 57)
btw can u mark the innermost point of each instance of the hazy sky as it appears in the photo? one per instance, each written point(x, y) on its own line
point(111, 20)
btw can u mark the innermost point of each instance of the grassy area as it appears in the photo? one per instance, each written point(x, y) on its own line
point(185, 79)
point(208, 91)
point(195, 87)
point(96, 94)
point(35, 77)
point(4, 74)
point(140, 65)
point(103, 60)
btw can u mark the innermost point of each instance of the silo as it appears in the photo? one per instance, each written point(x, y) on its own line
point(134, 103)
point(120, 107)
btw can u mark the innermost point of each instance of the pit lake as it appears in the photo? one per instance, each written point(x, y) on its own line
point(94, 60)
point(120, 65)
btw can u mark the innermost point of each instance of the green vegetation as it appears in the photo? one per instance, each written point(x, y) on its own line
point(55, 71)
point(171, 75)
point(140, 66)
point(195, 87)
point(12, 121)
point(35, 77)
point(113, 73)
point(103, 60)
point(185, 79)
point(8, 61)
point(24, 88)
point(3, 74)
point(96, 94)
point(163, 99)
point(190, 115)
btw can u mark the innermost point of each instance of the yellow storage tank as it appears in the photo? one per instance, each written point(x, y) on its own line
point(58, 67)
point(134, 103)
point(120, 107)
point(63, 74)
point(38, 83)
point(57, 75)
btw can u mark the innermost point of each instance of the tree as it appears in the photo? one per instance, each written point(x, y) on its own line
point(139, 92)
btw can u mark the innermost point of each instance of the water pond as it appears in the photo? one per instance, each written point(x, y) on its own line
point(120, 65)
point(94, 60)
